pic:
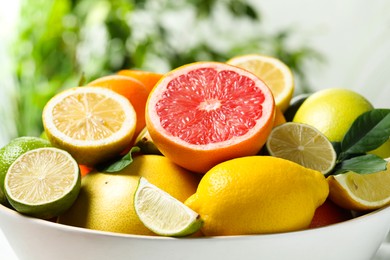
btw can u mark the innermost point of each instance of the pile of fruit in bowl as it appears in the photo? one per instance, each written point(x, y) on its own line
point(212, 160)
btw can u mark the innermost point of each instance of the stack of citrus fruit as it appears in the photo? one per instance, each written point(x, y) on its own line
point(210, 124)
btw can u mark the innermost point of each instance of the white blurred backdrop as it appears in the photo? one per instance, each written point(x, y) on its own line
point(352, 35)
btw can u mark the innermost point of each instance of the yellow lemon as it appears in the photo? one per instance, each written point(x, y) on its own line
point(332, 111)
point(361, 191)
point(258, 194)
point(106, 200)
point(93, 124)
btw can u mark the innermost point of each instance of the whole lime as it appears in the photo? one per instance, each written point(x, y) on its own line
point(332, 111)
point(10, 152)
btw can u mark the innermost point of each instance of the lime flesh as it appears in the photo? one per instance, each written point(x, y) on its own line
point(43, 182)
point(302, 144)
point(10, 152)
point(162, 213)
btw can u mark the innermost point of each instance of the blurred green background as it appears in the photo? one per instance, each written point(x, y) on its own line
point(58, 43)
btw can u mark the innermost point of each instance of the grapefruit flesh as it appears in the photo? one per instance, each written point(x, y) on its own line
point(207, 112)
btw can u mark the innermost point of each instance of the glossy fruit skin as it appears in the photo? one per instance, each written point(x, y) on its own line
point(332, 111)
point(329, 213)
point(257, 195)
point(295, 104)
point(200, 158)
point(105, 201)
point(148, 78)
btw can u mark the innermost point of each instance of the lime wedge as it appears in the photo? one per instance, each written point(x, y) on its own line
point(43, 182)
point(302, 144)
point(162, 213)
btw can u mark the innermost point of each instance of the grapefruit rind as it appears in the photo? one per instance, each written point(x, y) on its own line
point(201, 157)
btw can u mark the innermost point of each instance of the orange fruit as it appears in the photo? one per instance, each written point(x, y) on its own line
point(279, 117)
point(148, 78)
point(204, 113)
point(329, 213)
point(84, 170)
point(132, 89)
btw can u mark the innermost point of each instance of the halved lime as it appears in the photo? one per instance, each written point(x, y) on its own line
point(162, 213)
point(10, 152)
point(43, 182)
point(302, 144)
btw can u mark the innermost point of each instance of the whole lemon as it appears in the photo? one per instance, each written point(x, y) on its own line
point(105, 201)
point(332, 111)
point(258, 194)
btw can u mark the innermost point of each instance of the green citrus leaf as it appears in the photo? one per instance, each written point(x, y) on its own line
point(120, 164)
point(364, 164)
point(369, 131)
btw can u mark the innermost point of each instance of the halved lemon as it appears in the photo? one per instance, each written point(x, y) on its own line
point(43, 182)
point(361, 191)
point(276, 75)
point(162, 213)
point(93, 124)
point(302, 144)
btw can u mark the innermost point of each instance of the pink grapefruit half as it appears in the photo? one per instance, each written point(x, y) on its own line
point(204, 113)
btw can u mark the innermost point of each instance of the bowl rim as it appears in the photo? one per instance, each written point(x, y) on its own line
point(67, 228)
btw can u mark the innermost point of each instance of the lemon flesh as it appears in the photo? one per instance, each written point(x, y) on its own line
point(302, 144)
point(93, 124)
point(43, 182)
point(361, 191)
point(162, 213)
point(276, 75)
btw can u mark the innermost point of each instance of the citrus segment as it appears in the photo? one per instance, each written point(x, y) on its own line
point(148, 78)
point(93, 124)
point(204, 113)
point(162, 213)
point(43, 182)
point(360, 191)
point(302, 144)
point(132, 89)
point(273, 72)
point(257, 194)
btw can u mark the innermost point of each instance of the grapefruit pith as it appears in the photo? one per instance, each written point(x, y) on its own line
point(203, 113)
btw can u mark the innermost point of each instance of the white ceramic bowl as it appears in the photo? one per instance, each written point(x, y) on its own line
point(37, 239)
